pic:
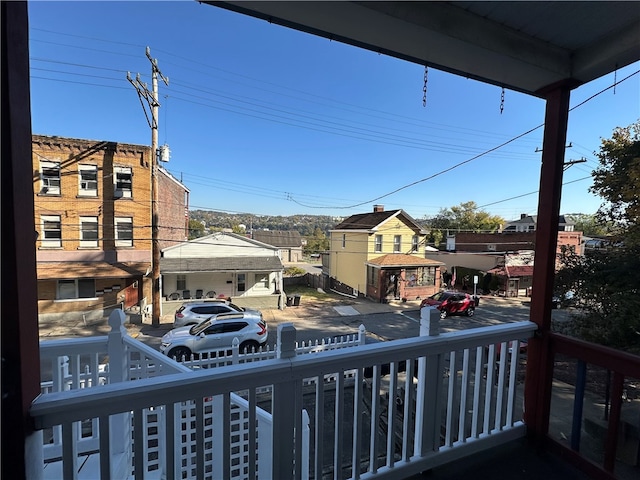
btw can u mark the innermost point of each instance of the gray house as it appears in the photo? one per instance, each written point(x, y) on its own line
point(221, 265)
point(288, 242)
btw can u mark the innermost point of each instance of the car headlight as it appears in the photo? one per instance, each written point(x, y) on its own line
point(165, 345)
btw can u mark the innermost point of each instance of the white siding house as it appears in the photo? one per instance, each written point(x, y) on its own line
point(221, 264)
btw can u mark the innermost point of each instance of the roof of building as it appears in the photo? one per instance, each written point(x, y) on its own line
point(562, 220)
point(372, 220)
point(513, 271)
point(221, 264)
point(279, 238)
point(67, 270)
point(403, 260)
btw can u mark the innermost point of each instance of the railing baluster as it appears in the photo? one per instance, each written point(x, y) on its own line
point(375, 414)
point(462, 416)
point(513, 370)
point(357, 423)
point(488, 396)
point(477, 383)
point(69, 451)
point(339, 422)
point(319, 427)
point(409, 396)
point(171, 448)
point(614, 421)
point(105, 450)
point(453, 377)
point(391, 413)
point(251, 451)
point(504, 352)
point(225, 418)
point(139, 448)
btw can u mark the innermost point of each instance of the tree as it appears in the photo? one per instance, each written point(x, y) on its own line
point(589, 224)
point(617, 181)
point(463, 217)
point(606, 283)
point(317, 243)
point(196, 229)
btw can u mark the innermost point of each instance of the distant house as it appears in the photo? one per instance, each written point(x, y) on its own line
point(527, 223)
point(515, 273)
point(288, 242)
point(380, 255)
point(221, 265)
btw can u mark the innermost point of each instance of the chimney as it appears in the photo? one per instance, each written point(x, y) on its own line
point(378, 208)
point(523, 215)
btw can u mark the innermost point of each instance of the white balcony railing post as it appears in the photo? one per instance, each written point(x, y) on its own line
point(119, 428)
point(284, 403)
point(429, 388)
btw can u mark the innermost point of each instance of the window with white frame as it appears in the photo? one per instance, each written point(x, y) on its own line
point(124, 231)
point(415, 241)
point(88, 180)
point(123, 179)
point(76, 288)
point(344, 240)
point(397, 243)
point(50, 178)
point(88, 231)
point(377, 247)
point(181, 282)
point(242, 282)
point(51, 231)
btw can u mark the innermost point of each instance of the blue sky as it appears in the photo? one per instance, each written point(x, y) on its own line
point(266, 120)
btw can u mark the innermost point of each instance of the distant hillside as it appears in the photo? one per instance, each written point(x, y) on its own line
point(304, 224)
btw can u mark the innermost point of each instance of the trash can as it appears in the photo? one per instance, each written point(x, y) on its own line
point(296, 300)
point(289, 300)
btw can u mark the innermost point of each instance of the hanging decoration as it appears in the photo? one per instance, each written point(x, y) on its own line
point(424, 87)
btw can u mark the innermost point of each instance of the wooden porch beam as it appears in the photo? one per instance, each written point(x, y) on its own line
point(540, 357)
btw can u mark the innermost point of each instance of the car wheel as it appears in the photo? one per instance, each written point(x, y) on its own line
point(443, 314)
point(470, 312)
point(180, 353)
point(249, 346)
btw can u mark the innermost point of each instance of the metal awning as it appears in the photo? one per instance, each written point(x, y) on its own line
point(523, 46)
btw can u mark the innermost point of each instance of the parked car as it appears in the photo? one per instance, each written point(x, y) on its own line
point(192, 313)
point(216, 333)
point(450, 303)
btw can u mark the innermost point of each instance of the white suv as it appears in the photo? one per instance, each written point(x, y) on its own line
point(192, 313)
point(214, 334)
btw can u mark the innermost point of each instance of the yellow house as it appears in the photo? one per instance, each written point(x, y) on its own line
point(380, 255)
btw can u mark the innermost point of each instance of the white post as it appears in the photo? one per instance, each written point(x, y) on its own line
point(284, 404)
point(429, 388)
point(362, 334)
point(120, 425)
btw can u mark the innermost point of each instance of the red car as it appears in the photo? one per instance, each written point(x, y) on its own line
point(450, 303)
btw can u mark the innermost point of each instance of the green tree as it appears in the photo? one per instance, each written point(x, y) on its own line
point(196, 229)
point(606, 282)
point(317, 243)
point(463, 217)
point(589, 224)
point(617, 181)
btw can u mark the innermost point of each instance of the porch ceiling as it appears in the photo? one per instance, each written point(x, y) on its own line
point(523, 46)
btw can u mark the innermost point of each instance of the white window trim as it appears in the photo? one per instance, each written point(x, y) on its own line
point(45, 187)
point(123, 242)
point(415, 243)
point(75, 298)
point(50, 242)
point(93, 192)
point(89, 243)
point(397, 243)
point(377, 246)
point(120, 192)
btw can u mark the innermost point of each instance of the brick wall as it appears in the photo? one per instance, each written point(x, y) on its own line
point(173, 209)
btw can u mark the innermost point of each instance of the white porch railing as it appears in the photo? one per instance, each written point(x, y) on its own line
point(400, 415)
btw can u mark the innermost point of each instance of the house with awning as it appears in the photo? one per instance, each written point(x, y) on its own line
point(222, 264)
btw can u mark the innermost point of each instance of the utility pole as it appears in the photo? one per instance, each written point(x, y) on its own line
point(152, 101)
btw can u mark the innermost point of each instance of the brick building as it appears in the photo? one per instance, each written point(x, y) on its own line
point(173, 211)
point(92, 208)
point(510, 241)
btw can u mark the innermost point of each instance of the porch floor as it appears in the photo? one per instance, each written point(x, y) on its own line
point(516, 459)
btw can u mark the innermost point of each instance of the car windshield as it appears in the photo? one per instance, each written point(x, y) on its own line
point(201, 327)
point(440, 296)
